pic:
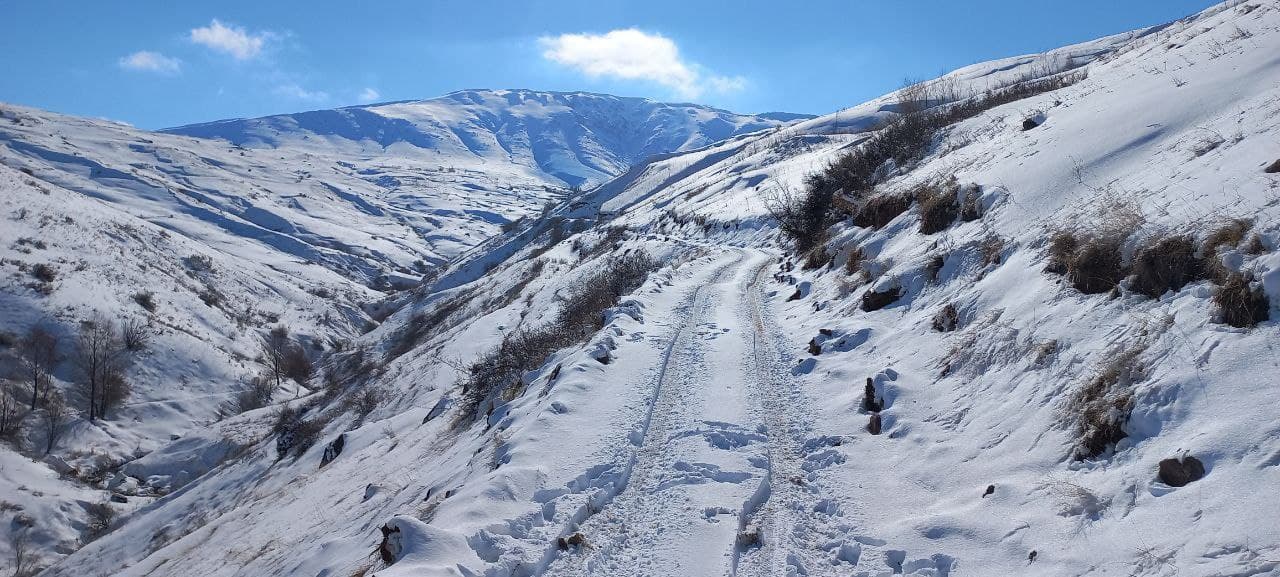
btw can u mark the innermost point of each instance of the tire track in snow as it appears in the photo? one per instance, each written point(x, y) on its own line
point(796, 527)
point(635, 511)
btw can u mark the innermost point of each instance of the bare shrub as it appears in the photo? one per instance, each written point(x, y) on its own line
point(500, 371)
point(971, 203)
point(1240, 303)
point(38, 351)
point(44, 273)
point(802, 217)
point(135, 333)
point(938, 207)
point(298, 365)
point(11, 414)
point(878, 211)
point(946, 319)
point(101, 518)
point(54, 419)
point(146, 300)
point(1092, 264)
point(1165, 264)
point(100, 359)
point(853, 264)
point(366, 400)
point(198, 263)
point(294, 433)
point(992, 250)
point(934, 268)
point(256, 394)
point(1230, 233)
point(816, 258)
point(1102, 406)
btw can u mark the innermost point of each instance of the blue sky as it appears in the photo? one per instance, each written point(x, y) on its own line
point(161, 63)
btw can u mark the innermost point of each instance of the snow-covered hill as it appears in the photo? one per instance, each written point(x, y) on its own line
point(209, 245)
point(921, 399)
point(576, 138)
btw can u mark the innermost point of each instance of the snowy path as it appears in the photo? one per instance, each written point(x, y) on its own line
point(722, 454)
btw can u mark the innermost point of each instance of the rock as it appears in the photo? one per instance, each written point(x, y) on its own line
point(870, 402)
point(575, 540)
point(1029, 123)
point(1274, 168)
point(118, 498)
point(991, 489)
point(390, 547)
point(874, 300)
point(1177, 473)
point(1031, 557)
point(57, 464)
point(748, 537)
point(370, 490)
point(875, 425)
point(333, 449)
point(440, 407)
point(799, 294)
point(815, 349)
point(826, 332)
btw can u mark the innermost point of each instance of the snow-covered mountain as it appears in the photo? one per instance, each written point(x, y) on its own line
point(650, 378)
point(576, 138)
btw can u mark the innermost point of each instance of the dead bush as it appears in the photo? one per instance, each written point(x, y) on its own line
point(146, 300)
point(853, 264)
point(1230, 233)
point(934, 268)
point(971, 203)
point(1165, 264)
point(44, 273)
point(938, 208)
point(878, 211)
point(816, 258)
point(946, 319)
point(1240, 303)
point(135, 333)
point(1092, 264)
point(256, 394)
point(1102, 406)
point(294, 433)
point(1255, 245)
point(992, 248)
point(101, 518)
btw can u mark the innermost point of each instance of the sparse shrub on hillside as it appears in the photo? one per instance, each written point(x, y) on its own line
point(210, 296)
point(803, 218)
point(971, 204)
point(992, 248)
point(101, 518)
point(366, 400)
point(1255, 246)
point(297, 365)
point(1102, 406)
point(878, 211)
point(294, 433)
point(440, 316)
point(146, 300)
point(934, 268)
point(816, 258)
point(853, 263)
point(938, 207)
point(11, 413)
point(1165, 264)
point(498, 373)
point(44, 273)
point(100, 359)
point(947, 319)
point(256, 394)
point(1228, 234)
point(1092, 264)
point(1240, 303)
point(135, 334)
point(198, 263)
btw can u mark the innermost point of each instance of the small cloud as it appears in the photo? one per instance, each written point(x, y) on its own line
point(148, 61)
point(369, 95)
point(230, 39)
point(631, 54)
point(297, 92)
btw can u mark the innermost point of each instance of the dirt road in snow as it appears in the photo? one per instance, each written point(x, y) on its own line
point(718, 485)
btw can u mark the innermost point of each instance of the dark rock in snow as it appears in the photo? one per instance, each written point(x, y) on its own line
point(118, 498)
point(1177, 473)
point(441, 406)
point(333, 449)
point(874, 300)
point(1029, 123)
point(1274, 168)
point(389, 548)
point(876, 425)
point(870, 402)
point(575, 540)
point(815, 349)
point(991, 489)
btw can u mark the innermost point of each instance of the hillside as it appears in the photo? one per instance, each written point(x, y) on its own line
point(959, 329)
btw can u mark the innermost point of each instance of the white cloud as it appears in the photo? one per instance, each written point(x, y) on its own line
point(297, 92)
point(147, 61)
point(631, 54)
point(232, 39)
point(369, 95)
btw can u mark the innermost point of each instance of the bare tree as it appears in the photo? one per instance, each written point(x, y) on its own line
point(39, 350)
point(98, 354)
point(115, 388)
point(55, 416)
point(275, 352)
point(10, 409)
point(19, 543)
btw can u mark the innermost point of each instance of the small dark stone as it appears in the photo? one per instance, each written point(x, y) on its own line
point(1274, 168)
point(1031, 558)
point(118, 498)
point(1029, 123)
point(385, 548)
point(815, 349)
point(826, 332)
point(875, 425)
point(333, 449)
point(869, 401)
point(574, 540)
point(991, 489)
point(795, 297)
point(874, 301)
point(1177, 473)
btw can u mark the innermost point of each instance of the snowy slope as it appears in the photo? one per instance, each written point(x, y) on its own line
point(230, 241)
point(715, 426)
point(575, 138)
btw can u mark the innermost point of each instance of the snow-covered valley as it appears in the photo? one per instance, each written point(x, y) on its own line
point(649, 377)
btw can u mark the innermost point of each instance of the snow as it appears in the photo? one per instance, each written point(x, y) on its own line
point(713, 442)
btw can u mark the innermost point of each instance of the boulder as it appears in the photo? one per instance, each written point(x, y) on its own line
point(1029, 123)
point(1179, 473)
point(333, 449)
